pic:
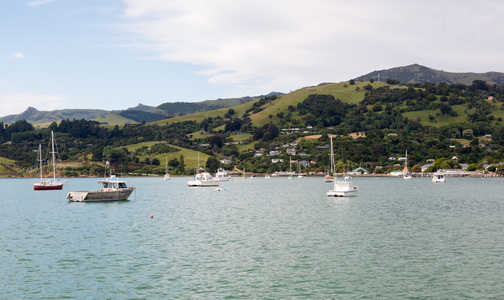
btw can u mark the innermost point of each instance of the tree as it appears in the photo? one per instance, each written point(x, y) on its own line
point(181, 167)
point(498, 134)
point(155, 161)
point(352, 82)
point(468, 134)
point(445, 109)
point(212, 164)
point(216, 141)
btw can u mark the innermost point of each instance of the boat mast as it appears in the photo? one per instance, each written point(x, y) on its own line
point(40, 159)
point(53, 156)
point(332, 159)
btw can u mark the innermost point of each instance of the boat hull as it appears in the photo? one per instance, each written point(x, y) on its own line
point(47, 187)
point(100, 196)
point(343, 189)
point(350, 193)
point(198, 183)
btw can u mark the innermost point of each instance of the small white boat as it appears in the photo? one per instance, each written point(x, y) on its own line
point(203, 179)
point(343, 188)
point(112, 189)
point(438, 177)
point(328, 178)
point(267, 176)
point(222, 175)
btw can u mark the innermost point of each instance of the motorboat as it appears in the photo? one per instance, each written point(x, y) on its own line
point(203, 179)
point(222, 175)
point(112, 189)
point(267, 176)
point(343, 188)
point(438, 177)
point(49, 184)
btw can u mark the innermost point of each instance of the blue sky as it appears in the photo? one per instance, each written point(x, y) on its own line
point(114, 54)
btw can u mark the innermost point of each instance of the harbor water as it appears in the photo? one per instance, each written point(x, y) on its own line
point(255, 238)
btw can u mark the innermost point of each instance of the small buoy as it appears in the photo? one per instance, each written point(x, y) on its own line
point(151, 216)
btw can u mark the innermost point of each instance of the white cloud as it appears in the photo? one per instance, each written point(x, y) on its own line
point(16, 103)
point(280, 44)
point(18, 55)
point(38, 2)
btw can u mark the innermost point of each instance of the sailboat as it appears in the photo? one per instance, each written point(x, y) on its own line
point(342, 188)
point(299, 172)
point(202, 178)
point(329, 177)
point(406, 173)
point(290, 168)
point(48, 184)
point(166, 175)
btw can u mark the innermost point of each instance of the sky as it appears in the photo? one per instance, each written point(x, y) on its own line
point(115, 54)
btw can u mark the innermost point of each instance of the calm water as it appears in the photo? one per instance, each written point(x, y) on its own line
point(258, 238)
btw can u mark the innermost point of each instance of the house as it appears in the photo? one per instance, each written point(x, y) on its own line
point(304, 163)
point(225, 161)
point(274, 153)
point(391, 158)
point(258, 154)
point(277, 160)
point(291, 151)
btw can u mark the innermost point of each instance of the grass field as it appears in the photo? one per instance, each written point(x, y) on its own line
point(190, 156)
point(115, 119)
point(6, 165)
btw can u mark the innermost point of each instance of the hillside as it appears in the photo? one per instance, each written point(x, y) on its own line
point(34, 116)
point(130, 115)
point(419, 74)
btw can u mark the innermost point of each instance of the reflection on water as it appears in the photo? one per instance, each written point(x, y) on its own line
point(256, 238)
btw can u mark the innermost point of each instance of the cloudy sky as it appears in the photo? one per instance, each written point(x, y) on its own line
point(114, 54)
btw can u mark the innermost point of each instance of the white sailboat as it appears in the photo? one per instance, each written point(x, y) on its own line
point(299, 171)
point(329, 177)
point(290, 168)
point(342, 188)
point(166, 175)
point(406, 173)
point(48, 184)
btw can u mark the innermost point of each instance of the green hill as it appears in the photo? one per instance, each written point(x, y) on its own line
point(419, 74)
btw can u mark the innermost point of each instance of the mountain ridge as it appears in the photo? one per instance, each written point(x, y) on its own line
point(416, 73)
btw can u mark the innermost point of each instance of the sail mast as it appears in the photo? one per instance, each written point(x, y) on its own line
point(53, 157)
point(40, 159)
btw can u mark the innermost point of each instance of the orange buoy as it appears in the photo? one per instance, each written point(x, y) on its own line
point(151, 216)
